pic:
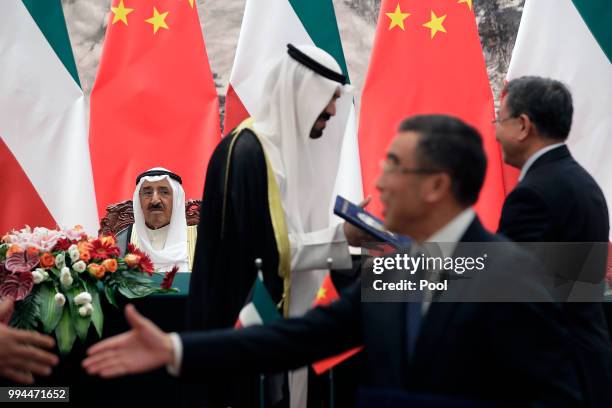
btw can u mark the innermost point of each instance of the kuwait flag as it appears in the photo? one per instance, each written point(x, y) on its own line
point(573, 44)
point(427, 59)
point(154, 102)
point(259, 308)
point(44, 156)
point(267, 27)
point(325, 296)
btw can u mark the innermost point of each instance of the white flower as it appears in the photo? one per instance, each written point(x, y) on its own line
point(60, 299)
point(79, 266)
point(37, 277)
point(65, 270)
point(65, 277)
point(82, 298)
point(43, 272)
point(86, 310)
point(73, 252)
point(60, 260)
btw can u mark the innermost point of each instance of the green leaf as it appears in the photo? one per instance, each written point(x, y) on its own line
point(81, 324)
point(97, 316)
point(137, 277)
point(134, 286)
point(135, 291)
point(3, 249)
point(64, 332)
point(110, 295)
point(55, 271)
point(26, 312)
point(50, 312)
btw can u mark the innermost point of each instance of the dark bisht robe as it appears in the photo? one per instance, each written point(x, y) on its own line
point(236, 227)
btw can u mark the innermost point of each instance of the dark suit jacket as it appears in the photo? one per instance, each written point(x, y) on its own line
point(559, 201)
point(513, 353)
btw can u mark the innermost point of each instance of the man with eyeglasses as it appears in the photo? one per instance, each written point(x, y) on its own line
point(557, 200)
point(513, 353)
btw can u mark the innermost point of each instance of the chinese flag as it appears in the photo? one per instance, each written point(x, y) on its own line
point(427, 59)
point(326, 295)
point(154, 101)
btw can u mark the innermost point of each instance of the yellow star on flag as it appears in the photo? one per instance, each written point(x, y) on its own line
point(435, 24)
point(397, 18)
point(191, 3)
point(469, 3)
point(321, 293)
point(120, 13)
point(158, 20)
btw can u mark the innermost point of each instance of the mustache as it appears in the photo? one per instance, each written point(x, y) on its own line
point(325, 116)
point(155, 207)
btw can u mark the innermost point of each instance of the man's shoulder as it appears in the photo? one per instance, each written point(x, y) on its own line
point(562, 184)
point(246, 143)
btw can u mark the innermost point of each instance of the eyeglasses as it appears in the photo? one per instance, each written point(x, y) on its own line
point(389, 166)
point(502, 120)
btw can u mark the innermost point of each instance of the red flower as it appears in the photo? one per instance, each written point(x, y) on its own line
point(146, 265)
point(103, 250)
point(169, 278)
point(131, 248)
point(62, 244)
point(22, 261)
point(17, 285)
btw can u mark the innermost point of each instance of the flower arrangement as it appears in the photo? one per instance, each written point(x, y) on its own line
point(58, 279)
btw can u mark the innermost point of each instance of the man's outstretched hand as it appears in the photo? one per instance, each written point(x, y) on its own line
point(144, 348)
point(21, 351)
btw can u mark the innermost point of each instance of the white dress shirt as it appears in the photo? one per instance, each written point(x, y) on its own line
point(449, 235)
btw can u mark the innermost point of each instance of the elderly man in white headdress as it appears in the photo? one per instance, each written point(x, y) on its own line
point(160, 227)
point(268, 191)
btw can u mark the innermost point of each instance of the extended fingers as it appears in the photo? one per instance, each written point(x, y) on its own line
point(34, 338)
point(26, 352)
point(108, 344)
point(18, 376)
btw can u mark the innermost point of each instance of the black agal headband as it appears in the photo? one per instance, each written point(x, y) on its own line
point(316, 66)
point(154, 173)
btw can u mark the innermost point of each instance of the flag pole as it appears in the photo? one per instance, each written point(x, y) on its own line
point(262, 377)
point(332, 397)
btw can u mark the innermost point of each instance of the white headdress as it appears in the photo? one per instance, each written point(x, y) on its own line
point(295, 95)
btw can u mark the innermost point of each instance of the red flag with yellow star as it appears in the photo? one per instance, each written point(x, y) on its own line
point(325, 296)
point(154, 101)
point(427, 59)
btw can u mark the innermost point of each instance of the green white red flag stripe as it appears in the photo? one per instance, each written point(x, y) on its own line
point(44, 154)
point(573, 44)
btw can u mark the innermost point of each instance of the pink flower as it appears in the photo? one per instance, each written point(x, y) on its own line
point(40, 238)
point(22, 261)
point(76, 234)
point(17, 286)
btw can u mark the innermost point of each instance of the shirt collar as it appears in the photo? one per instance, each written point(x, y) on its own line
point(452, 232)
point(535, 157)
point(158, 236)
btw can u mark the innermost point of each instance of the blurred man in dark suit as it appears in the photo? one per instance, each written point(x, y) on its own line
point(515, 353)
point(557, 200)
